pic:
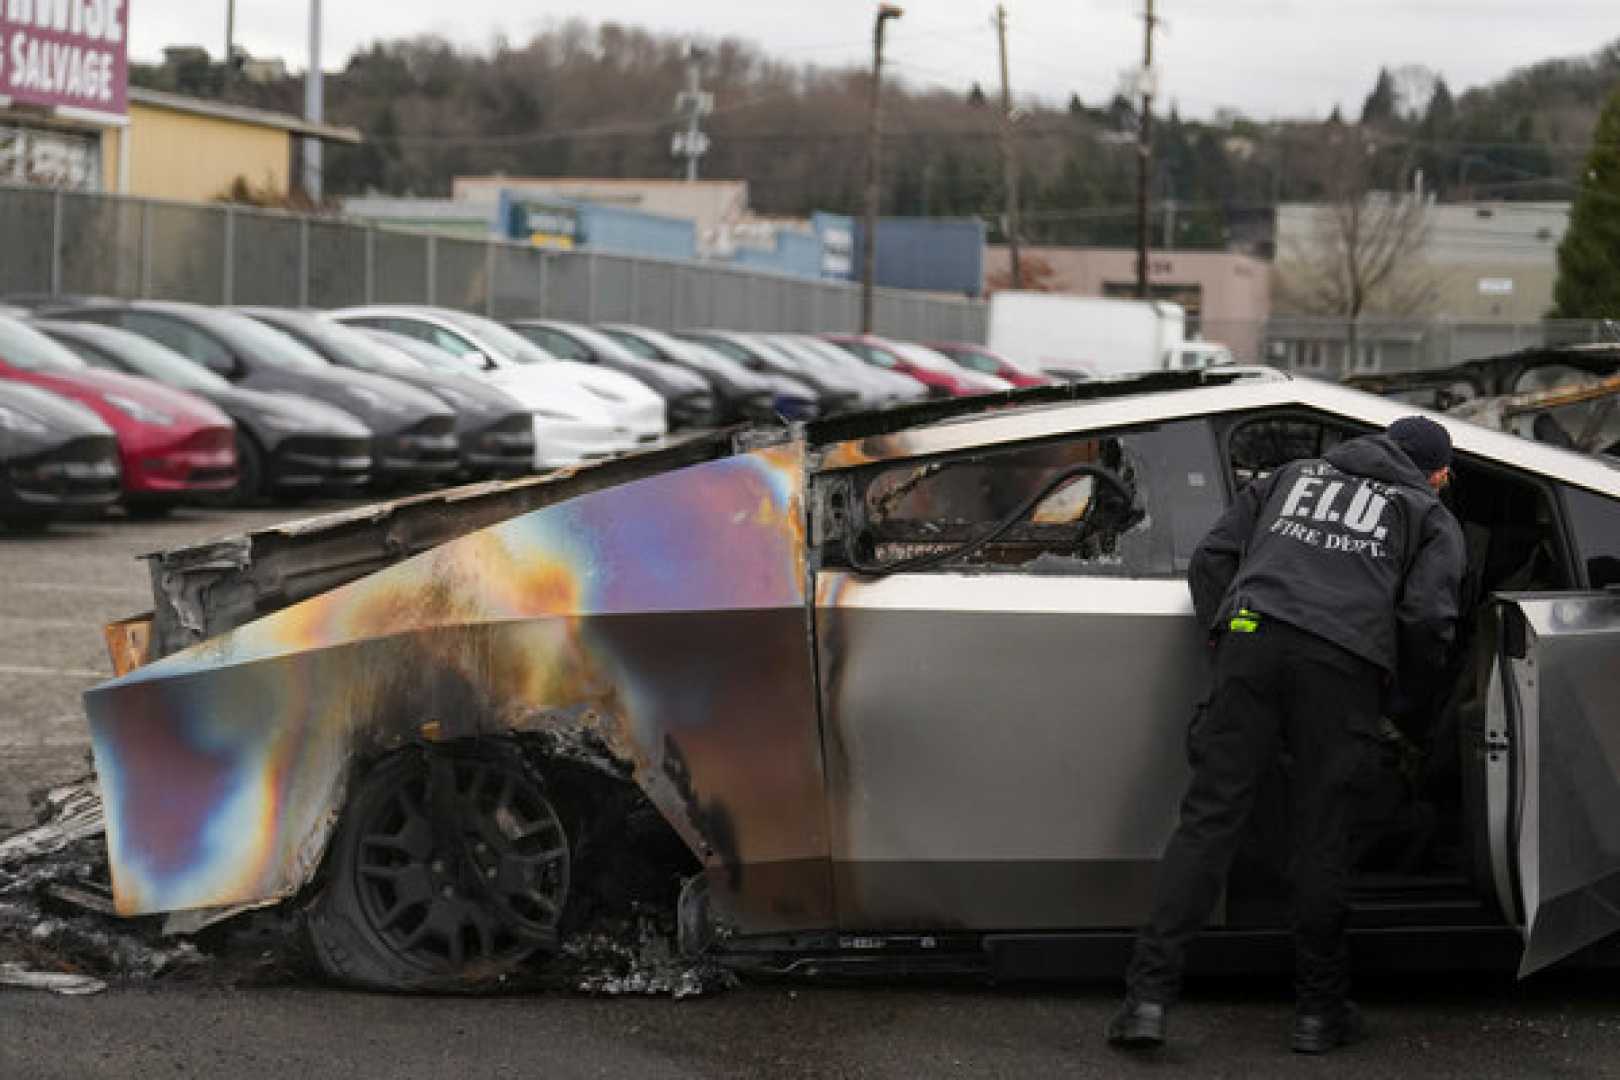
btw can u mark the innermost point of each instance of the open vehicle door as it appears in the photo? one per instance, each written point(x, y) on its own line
point(1558, 719)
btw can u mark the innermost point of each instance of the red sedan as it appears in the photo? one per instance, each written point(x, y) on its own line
point(980, 359)
point(942, 377)
point(171, 444)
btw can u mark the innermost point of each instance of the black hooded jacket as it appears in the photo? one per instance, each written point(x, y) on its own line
point(1354, 548)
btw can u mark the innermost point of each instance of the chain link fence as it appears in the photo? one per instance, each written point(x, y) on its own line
point(64, 242)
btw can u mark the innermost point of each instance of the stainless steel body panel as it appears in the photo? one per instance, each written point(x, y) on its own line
point(1566, 740)
point(1003, 751)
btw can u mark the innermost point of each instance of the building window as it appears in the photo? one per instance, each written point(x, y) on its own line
point(45, 157)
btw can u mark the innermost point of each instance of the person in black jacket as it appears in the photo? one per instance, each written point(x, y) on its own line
point(1318, 585)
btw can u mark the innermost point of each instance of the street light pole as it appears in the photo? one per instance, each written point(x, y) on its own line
point(874, 139)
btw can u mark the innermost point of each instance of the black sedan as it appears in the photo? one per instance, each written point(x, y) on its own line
point(836, 391)
point(495, 433)
point(413, 434)
point(687, 396)
point(286, 444)
point(55, 457)
point(740, 393)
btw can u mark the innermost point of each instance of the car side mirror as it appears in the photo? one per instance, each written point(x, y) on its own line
point(228, 367)
point(478, 359)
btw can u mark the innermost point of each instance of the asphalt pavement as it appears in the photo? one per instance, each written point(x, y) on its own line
point(56, 591)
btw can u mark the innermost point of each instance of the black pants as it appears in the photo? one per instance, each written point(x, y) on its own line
point(1277, 689)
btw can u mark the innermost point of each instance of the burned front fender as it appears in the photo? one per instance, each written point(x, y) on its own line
point(661, 624)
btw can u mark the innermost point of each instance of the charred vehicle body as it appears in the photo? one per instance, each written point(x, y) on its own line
point(899, 691)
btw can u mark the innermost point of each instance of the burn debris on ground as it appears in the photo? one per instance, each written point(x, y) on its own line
point(57, 927)
point(60, 932)
point(637, 954)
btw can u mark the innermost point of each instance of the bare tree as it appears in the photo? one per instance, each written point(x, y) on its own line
point(1359, 250)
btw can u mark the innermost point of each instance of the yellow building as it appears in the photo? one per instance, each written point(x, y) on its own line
point(168, 147)
point(193, 150)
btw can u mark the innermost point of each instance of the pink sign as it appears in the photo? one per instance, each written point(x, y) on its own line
point(66, 53)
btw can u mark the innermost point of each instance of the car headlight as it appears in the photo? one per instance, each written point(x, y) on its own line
point(20, 423)
point(282, 421)
point(143, 414)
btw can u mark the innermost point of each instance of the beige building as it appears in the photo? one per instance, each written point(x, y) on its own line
point(717, 207)
point(167, 147)
point(1471, 261)
point(193, 150)
point(1227, 297)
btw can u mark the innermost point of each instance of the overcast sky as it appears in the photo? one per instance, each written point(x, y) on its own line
point(1263, 58)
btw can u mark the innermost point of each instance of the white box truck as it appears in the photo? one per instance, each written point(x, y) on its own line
point(1094, 337)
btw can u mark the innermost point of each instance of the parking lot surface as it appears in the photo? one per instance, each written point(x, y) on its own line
point(57, 589)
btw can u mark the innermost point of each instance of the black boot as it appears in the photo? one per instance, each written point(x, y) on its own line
point(1318, 1031)
point(1139, 1025)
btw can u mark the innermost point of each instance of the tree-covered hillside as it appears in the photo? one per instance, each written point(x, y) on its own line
point(589, 100)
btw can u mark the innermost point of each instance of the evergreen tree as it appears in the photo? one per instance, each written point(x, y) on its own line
point(1076, 107)
point(976, 97)
point(1379, 107)
point(1589, 256)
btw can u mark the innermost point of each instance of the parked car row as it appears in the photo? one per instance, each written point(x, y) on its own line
point(238, 404)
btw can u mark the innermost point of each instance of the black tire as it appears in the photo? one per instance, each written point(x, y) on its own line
point(249, 487)
point(31, 524)
point(449, 868)
point(148, 510)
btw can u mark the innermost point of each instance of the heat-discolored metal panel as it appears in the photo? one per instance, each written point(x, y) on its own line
point(1024, 771)
point(663, 621)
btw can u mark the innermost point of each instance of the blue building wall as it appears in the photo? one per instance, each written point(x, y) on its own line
point(795, 253)
point(931, 254)
point(594, 227)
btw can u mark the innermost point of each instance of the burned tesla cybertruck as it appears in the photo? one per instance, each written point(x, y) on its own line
point(901, 691)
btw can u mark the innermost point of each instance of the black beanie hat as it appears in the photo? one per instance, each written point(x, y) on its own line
point(1424, 441)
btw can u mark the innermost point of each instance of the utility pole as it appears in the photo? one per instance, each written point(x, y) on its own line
point(694, 104)
point(874, 146)
point(230, 39)
point(1009, 160)
point(1144, 154)
point(314, 105)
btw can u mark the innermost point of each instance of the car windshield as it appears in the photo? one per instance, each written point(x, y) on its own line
point(633, 344)
point(971, 358)
point(556, 342)
point(602, 343)
point(509, 343)
point(357, 350)
point(144, 357)
point(881, 357)
point(727, 348)
point(922, 357)
point(419, 351)
point(258, 341)
point(23, 347)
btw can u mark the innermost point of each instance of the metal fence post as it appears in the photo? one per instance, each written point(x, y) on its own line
point(227, 280)
point(371, 264)
point(489, 278)
point(146, 250)
point(56, 244)
point(590, 287)
point(635, 290)
point(545, 284)
point(303, 262)
point(432, 269)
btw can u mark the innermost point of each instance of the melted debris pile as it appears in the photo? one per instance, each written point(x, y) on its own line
point(57, 926)
point(636, 953)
